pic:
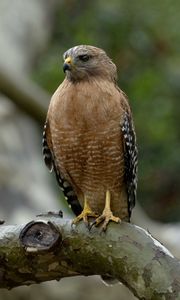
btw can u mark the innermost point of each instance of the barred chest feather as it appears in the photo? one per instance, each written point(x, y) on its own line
point(88, 143)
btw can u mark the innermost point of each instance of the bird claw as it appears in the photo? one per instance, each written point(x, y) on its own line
point(105, 218)
point(84, 216)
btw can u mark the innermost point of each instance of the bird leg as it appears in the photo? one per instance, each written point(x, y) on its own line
point(107, 214)
point(87, 212)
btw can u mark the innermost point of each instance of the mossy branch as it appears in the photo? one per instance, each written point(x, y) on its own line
point(51, 248)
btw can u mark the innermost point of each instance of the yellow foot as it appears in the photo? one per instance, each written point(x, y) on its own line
point(107, 215)
point(87, 212)
point(84, 216)
point(105, 218)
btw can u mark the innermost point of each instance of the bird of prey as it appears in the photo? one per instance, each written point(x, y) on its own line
point(89, 139)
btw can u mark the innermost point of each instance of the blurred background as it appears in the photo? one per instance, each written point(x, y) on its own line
point(143, 39)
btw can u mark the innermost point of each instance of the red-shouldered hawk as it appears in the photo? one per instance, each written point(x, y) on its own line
point(89, 139)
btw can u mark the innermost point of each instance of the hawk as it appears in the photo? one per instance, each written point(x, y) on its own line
point(89, 139)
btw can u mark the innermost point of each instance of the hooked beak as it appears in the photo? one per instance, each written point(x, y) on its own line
point(67, 64)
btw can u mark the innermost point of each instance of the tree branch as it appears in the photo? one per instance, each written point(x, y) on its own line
point(167, 233)
point(50, 249)
point(29, 97)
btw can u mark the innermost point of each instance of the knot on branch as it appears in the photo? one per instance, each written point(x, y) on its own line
point(38, 236)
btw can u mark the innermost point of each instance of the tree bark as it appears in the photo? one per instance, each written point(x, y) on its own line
point(167, 233)
point(50, 248)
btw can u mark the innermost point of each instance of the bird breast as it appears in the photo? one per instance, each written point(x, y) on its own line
point(86, 105)
point(87, 140)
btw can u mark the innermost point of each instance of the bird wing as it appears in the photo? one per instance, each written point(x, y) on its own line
point(50, 161)
point(130, 158)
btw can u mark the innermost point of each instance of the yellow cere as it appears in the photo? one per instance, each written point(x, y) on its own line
point(68, 60)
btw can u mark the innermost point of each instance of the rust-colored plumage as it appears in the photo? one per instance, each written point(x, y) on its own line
point(89, 139)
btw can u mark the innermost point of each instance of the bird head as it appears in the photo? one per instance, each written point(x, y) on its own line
point(84, 61)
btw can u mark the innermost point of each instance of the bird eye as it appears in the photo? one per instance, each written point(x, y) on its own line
point(84, 57)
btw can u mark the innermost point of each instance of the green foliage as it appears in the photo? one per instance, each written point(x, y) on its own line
point(143, 39)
